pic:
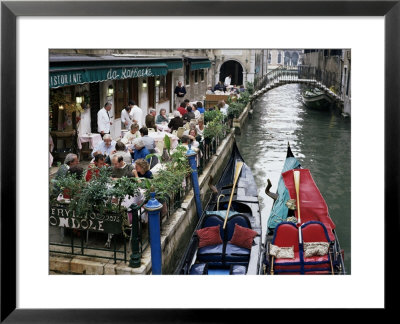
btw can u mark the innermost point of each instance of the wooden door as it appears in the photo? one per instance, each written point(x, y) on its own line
point(94, 89)
point(134, 90)
point(169, 89)
point(151, 92)
point(120, 96)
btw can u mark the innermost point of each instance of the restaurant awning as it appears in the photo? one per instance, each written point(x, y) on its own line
point(197, 63)
point(80, 69)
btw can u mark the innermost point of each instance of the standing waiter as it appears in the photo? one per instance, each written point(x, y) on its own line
point(104, 119)
point(180, 93)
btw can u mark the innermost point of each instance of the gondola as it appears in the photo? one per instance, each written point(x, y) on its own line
point(316, 99)
point(301, 237)
point(239, 250)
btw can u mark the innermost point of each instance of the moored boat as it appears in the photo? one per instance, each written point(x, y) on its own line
point(301, 236)
point(233, 243)
point(316, 99)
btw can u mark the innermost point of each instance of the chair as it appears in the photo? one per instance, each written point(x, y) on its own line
point(180, 132)
point(213, 254)
point(153, 161)
point(286, 235)
point(151, 130)
point(235, 254)
point(319, 264)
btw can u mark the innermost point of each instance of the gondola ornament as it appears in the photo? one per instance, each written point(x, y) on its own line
point(274, 196)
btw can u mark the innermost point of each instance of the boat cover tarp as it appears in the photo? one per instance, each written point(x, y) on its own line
point(279, 212)
point(221, 213)
point(312, 205)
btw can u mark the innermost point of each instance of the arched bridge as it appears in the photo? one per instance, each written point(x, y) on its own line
point(296, 74)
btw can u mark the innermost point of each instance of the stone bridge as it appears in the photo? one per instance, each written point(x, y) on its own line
point(294, 74)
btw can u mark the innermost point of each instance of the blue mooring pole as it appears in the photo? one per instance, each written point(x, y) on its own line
point(195, 180)
point(153, 208)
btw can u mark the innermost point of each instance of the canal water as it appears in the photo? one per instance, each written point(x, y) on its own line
point(320, 140)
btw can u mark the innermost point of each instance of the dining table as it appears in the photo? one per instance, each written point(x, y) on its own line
point(92, 138)
point(159, 139)
point(163, 127)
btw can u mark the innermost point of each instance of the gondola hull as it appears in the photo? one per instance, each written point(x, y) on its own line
point(317, 100)
point(289, 241)
point(227, 258)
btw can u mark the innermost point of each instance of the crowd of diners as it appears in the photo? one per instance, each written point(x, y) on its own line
point(127, 156)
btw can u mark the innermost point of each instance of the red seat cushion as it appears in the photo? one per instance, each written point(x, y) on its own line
point(209, 236)
point(314, 232)
point(243, 236)
point(318, 259)
point(288, 265)
point(287, 235)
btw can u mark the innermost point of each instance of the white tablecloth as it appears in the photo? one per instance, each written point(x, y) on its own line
point(123, 132)
point(159, 139)
point(93, 140)
point(163, 128)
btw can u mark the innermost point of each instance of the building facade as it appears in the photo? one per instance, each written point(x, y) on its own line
point(284, 57)
point(332, 67)
point(82, 81)
point(244, 65)
point(147, 76)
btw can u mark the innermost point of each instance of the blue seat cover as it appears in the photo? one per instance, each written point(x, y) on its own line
point(198, 269)
point(234, 253)
point(237, 269)
point(218, 271)
point(214, 220)
point(237, 219)
point(210, 254)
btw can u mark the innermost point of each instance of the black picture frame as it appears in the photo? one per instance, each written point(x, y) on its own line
point(10, 10)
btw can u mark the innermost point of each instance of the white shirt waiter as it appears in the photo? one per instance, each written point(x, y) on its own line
point(104, 120)
point(227, 81)
point(126, 119)
point(136, 114)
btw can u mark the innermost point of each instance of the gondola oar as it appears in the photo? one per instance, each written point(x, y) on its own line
point(237, 172)
point(296, 175)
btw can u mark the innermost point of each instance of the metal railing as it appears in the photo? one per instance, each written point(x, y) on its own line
point(117, 241)
point(302, 73)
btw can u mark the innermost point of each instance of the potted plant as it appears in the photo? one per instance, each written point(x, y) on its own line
point(96, 204)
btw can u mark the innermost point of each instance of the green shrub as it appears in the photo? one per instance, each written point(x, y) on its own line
point(250, 87)
point(210, 115)
point(235, 109)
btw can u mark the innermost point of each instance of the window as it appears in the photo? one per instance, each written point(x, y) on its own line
point(187, 74)
point(196, 76)
point(202, 75)
point(162, 93)
point(269, 58)
point(279, 58)
point(348, 84)
point(120, 96)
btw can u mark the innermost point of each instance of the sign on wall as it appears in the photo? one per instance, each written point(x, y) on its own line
point(231, 52)
point(67, 78)
point(61, 216)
